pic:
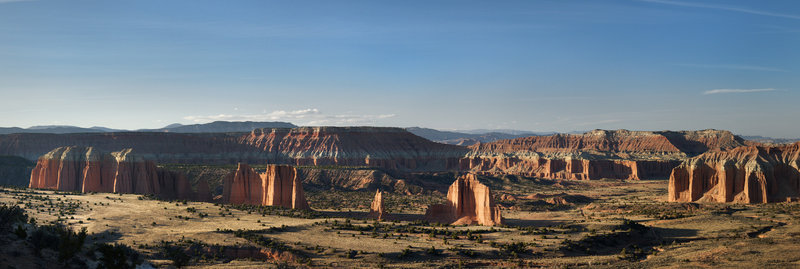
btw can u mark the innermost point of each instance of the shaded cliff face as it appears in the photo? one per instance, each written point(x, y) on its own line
point(390, 148)
point(621, 143)
point(15, 171)
point(597, 154)
point(468, 202)
point(279, 186)
point(86, 169)
point(749, 174)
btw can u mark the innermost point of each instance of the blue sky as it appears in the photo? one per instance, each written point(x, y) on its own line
point(529, 65)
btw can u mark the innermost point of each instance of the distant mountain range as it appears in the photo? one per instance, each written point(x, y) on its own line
point(470, 137)
point(213, 127)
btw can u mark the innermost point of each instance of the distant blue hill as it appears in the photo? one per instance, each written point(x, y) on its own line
point(213, 127)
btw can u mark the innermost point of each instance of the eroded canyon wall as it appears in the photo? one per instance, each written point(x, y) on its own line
point(619, 154)
point(384, 147)
point(86, 169)
point(749, 174)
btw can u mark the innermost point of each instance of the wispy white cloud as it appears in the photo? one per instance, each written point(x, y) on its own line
point(736, 67)
point(716, 91)
point(726, 8)
point(310, 116)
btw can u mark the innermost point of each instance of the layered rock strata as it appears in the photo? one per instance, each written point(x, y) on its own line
point(376, 208)
point(278, 186)
point(86, 169)
point(468, 202)
point(388, 148)
point(749, 174)
point(619, 154)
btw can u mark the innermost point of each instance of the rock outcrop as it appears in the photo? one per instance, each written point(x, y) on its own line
point(376, 208)
point(748, 174)
point(388, 148)
point(279, 186)
point(86, 169)
point(244, 186)
point(568, 167)
point(468, 202)
point(619, 154)
point(597, 154)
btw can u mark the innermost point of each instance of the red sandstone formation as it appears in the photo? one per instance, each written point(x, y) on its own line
point(279, 186)
point(389, 148)
point(376, 208)
point(243, 186)
point(283, 187)
point(468, 202)
point(748, 174)
point(86, 170)
point(597, 154)
point(619, 142)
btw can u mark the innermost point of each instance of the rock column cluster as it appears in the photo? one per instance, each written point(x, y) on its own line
point(85, 169)
point(468, 202)
point(279, 186)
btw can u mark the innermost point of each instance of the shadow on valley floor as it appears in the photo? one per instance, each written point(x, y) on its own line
point(533, 223)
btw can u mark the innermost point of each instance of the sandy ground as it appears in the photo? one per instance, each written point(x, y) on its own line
point(704, 236)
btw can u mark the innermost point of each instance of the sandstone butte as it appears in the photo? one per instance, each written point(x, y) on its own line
point(619, 154)
point(86, 169)
point(748, 174)
point(468, 202)
point(279, 186)
point(376, 208)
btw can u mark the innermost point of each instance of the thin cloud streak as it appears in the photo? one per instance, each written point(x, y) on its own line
point(726, 8)
point(717, 91)
point(310, 116)
point(736, 67)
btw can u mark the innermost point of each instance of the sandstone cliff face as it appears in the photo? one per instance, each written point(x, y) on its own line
point(86, 169)
point(283, 187)
point(389, 148)
point(376, 208)
point(279, 186)
point(468, 202)
point(597, 154)
point(568, 167)
point(243, 186)
point(749, 174)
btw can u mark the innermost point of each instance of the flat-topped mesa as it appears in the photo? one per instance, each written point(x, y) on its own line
point(390, 148)
point(468, 202)
point(376, 208)
point(619, 154)
point(748, 174)
point(86, 169)
point(279, 186)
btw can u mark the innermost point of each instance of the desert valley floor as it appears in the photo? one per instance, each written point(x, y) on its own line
point(548, 223)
